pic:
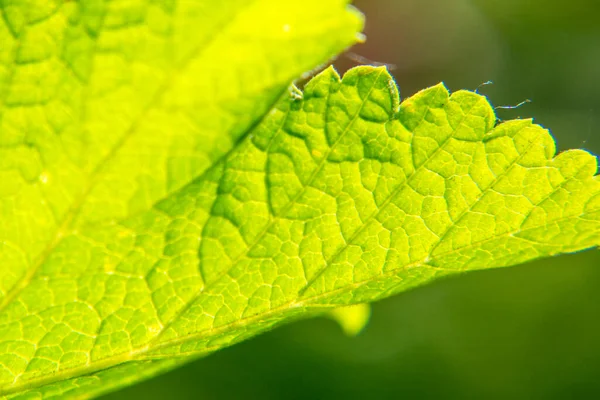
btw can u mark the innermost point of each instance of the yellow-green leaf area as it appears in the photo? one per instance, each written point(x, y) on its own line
point(304, 201)
point(109, 106)
point(106, 107)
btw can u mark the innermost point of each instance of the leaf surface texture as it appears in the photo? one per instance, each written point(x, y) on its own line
point(164, 194)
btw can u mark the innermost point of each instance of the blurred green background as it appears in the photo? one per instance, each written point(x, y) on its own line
point(530, 332)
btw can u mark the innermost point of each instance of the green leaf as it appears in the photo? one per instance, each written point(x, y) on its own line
point(352, 319)
point(135, 238)
point(108, 107)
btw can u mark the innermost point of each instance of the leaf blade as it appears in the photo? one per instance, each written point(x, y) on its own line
point(131, 105)
point(340, 197)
